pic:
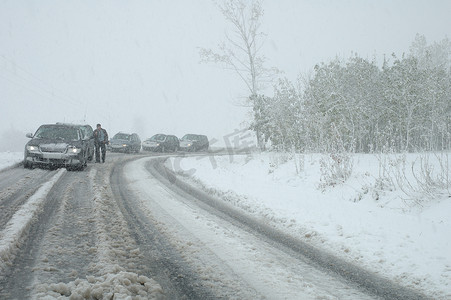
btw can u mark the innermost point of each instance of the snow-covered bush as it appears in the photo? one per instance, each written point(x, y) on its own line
point(419, 177)
point(432, 174)
point(278, 158)
point(335, 166)
point(390, 165)
point(335, 169)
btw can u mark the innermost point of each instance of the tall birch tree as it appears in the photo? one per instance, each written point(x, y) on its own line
point(241, 49)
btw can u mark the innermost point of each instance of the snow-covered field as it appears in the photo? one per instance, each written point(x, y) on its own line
point(381, 218)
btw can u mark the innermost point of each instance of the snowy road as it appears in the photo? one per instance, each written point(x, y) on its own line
point(130, 227)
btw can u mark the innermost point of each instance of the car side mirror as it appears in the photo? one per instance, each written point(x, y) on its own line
point(29, 135)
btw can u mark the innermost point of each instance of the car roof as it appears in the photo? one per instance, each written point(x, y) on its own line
point(60, 125)
point(195, 134)
point(72, 124)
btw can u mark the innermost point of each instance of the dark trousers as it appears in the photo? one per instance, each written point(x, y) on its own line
point(100, 147)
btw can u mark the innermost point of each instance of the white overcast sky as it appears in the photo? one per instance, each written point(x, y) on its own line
point(134, 65)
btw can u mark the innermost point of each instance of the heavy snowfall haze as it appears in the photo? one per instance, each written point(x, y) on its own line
point(134, 65)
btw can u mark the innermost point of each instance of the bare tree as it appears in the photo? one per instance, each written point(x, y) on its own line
point(240, 52)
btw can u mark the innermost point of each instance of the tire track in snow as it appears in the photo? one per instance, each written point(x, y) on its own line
point(161, 260)
point(16, 188)
point(111, 272)
point(228, 259)
point(115, 272)
point(371, 283)
point(66, 250)
point(18, 226)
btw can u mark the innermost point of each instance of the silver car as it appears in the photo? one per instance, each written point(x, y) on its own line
point(57, 145)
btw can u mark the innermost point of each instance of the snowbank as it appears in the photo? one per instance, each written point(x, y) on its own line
point(9, 159)
point(123, 285)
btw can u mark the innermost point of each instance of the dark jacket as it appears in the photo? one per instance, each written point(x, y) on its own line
point(96, 137)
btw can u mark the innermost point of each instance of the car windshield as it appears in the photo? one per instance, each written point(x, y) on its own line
point(121, 136)
point(190, 137)
point(57, 133)
point(158, 138)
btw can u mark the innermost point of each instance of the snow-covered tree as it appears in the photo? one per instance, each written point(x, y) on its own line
point(241, 50)
point(437, 55)
point(343, 94)
point(403, 106)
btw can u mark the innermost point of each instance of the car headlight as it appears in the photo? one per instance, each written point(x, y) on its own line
point(33, 148)
point(124, 145)
point(73, 150)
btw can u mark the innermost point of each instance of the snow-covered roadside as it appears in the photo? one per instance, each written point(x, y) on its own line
point(378, 227)
point(18, 226)
point(9, 159)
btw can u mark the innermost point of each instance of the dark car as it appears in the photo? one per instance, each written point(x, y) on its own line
point(161, 143)
point(125, 142)
point(57, 145)
point(194, 142)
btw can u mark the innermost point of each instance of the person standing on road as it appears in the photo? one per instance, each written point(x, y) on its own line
point(100, 141)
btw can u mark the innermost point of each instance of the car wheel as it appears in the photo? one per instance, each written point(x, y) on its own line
point(28, 165)
point(74, 168)
point(82, 165)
